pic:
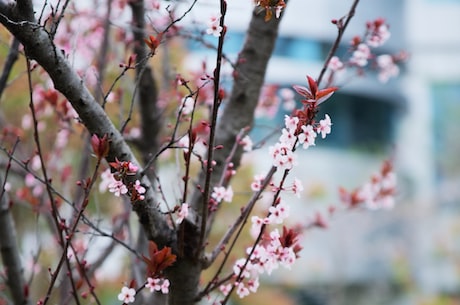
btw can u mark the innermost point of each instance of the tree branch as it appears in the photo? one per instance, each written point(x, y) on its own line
point(9, 251)
point(8, 65)
point(38, 46)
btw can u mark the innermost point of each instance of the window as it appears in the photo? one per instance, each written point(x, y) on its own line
point(360, 122)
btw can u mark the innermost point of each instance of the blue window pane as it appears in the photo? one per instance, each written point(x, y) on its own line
point(295, 48)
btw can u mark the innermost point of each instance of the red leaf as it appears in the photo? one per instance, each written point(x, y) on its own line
point(158, 260)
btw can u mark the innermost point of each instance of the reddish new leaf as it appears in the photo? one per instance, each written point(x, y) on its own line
point(158, 260)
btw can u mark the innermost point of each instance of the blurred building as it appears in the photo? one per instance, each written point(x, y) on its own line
point(408, 254)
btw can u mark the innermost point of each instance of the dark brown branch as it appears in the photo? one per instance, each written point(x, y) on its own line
point(8, 65)
point(151, 116)
point(341, 26)
point(9, 248)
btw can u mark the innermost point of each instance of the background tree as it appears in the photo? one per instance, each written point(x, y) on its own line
point(80, 49)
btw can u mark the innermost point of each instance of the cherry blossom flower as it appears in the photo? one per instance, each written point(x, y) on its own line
point(361, 55)
point(287, 137)
point(127, 295)
point(378, 33)
point(335, 64)
point(138, 191)
point(106, 180)
point(297, 187)
point(287, 97)
point(257, 223)
point(213, 27)
point(378, 193)
point(237, 267)
point(158, 284)
point(387, 67)
point(138, 187)
point(282, 156)
point(165, 286)
point(221, 193)
point(278, 213)
point(307, 136)
point(241, 290)
point(118, 188)
point(291, 122)
point(182, 213)
point(225, 289)
point(256, 184)
point(268, 5)
point(324, 126)
point(246, 143)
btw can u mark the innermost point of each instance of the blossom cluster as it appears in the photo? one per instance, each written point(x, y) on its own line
point(282, 153)
point(117, 183)
point(377, 33)
point(378, 193)
point(128, 294)
point(269, 5)
point(274, 251)
point(214, 27)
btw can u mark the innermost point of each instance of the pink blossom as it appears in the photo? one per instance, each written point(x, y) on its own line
point(182, 213)
point(213, 27)
point(291, 122)
point(246, 143)
point(165, 286)
point(257, 223)
point(106, 180)
point(335, 64)
point(153, 284)
point(256, 184)
point(287, 137)
point(127, 295)
point(117, 188)
point(378, 33)
point(241, 290)
point(387, 68)
point(132, 168)
point(221, 193)
point(237, 267)
point(278, 213)
point(361, 55)
point(158, 284)
point(138, 187)
point(225, 289)
point(282, 156)
point(287, 96)
point(324, 126)
point(297, 187)
point(253, 284)
point(307, 136)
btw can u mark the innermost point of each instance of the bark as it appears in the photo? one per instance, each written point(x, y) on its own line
point(10, 252)
point(238, 114)
point(151, 119)
point(239, 111)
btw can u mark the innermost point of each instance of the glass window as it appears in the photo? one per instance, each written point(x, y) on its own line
point(360, 122)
